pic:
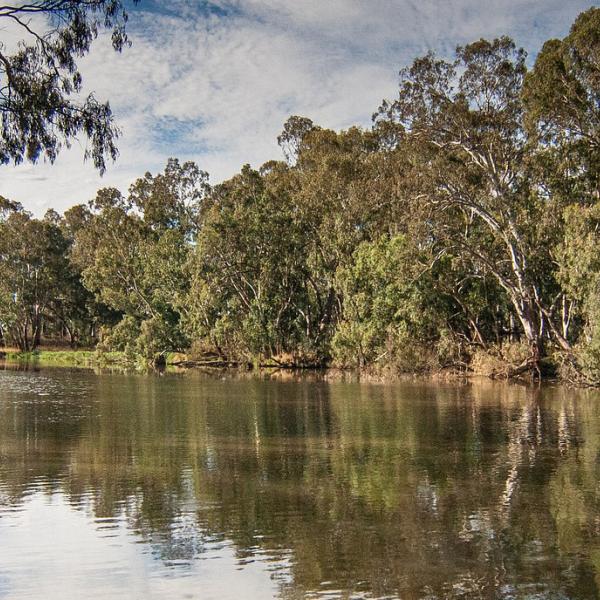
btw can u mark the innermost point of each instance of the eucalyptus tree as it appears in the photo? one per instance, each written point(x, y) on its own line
point(460, 123)
point(343, 196)
point(578, 256)
point(562, 98)
point(249, 274)
point(34, 274)
point(290, 139)
point(41, 102)
point(270, 242)
point(132, 251)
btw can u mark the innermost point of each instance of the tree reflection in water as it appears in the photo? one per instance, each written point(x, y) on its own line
point(410, 490)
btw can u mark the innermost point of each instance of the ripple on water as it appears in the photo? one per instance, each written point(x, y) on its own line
point(168, 488)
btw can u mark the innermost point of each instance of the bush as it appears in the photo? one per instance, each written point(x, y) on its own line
point(498, 361)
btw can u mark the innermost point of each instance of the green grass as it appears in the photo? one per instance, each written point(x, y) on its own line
point(68, 358)
point(83, 358)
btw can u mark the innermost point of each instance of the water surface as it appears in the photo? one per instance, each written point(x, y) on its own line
point(140, 486)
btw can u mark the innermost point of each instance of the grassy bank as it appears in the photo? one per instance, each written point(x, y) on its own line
point(68, 358)
point(503, 364)
point(87, 359)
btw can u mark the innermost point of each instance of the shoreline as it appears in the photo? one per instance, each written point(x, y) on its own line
point(179, 363)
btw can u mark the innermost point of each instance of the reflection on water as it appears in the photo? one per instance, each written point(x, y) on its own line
point(130, 486)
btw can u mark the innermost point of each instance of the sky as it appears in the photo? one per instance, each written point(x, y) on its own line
point(214, 81)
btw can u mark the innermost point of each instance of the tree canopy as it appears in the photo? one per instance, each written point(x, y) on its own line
point(460, 231)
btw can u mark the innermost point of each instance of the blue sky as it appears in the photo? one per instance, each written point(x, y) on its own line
point(213, 81)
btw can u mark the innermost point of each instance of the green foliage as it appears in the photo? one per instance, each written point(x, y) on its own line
point(249, 273)
point(40, 95)
point(37, 279)
point(460, 231)
point(579, 273)
point(393, 309)
point(133, 252)
point(378, 299)
point(122, 336)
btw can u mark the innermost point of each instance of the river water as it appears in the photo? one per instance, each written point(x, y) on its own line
point(192, 486)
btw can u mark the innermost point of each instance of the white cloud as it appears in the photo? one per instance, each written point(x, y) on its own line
point(216, 86)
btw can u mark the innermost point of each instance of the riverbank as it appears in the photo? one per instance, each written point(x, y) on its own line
point(67, 358)
point(179, 362)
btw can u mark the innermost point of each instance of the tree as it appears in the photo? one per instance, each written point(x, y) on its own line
point(462, 229)
point(264, 270)
point(40, 84)
point(342, 192)
point(578, 256)
point(249, 274)
point(34, 274)
point(132, 252)
point(294, 132)
point(562, 96)
point(461, 126)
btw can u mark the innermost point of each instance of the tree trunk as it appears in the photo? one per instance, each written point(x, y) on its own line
point(526, 314)
point(36, 329)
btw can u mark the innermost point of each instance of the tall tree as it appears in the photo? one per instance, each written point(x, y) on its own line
point(248, 293)
point(133, 250)
point(461, 124)
point(562, 97)
point(34, 274)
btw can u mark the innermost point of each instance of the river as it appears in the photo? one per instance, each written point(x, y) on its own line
point(196, 486)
